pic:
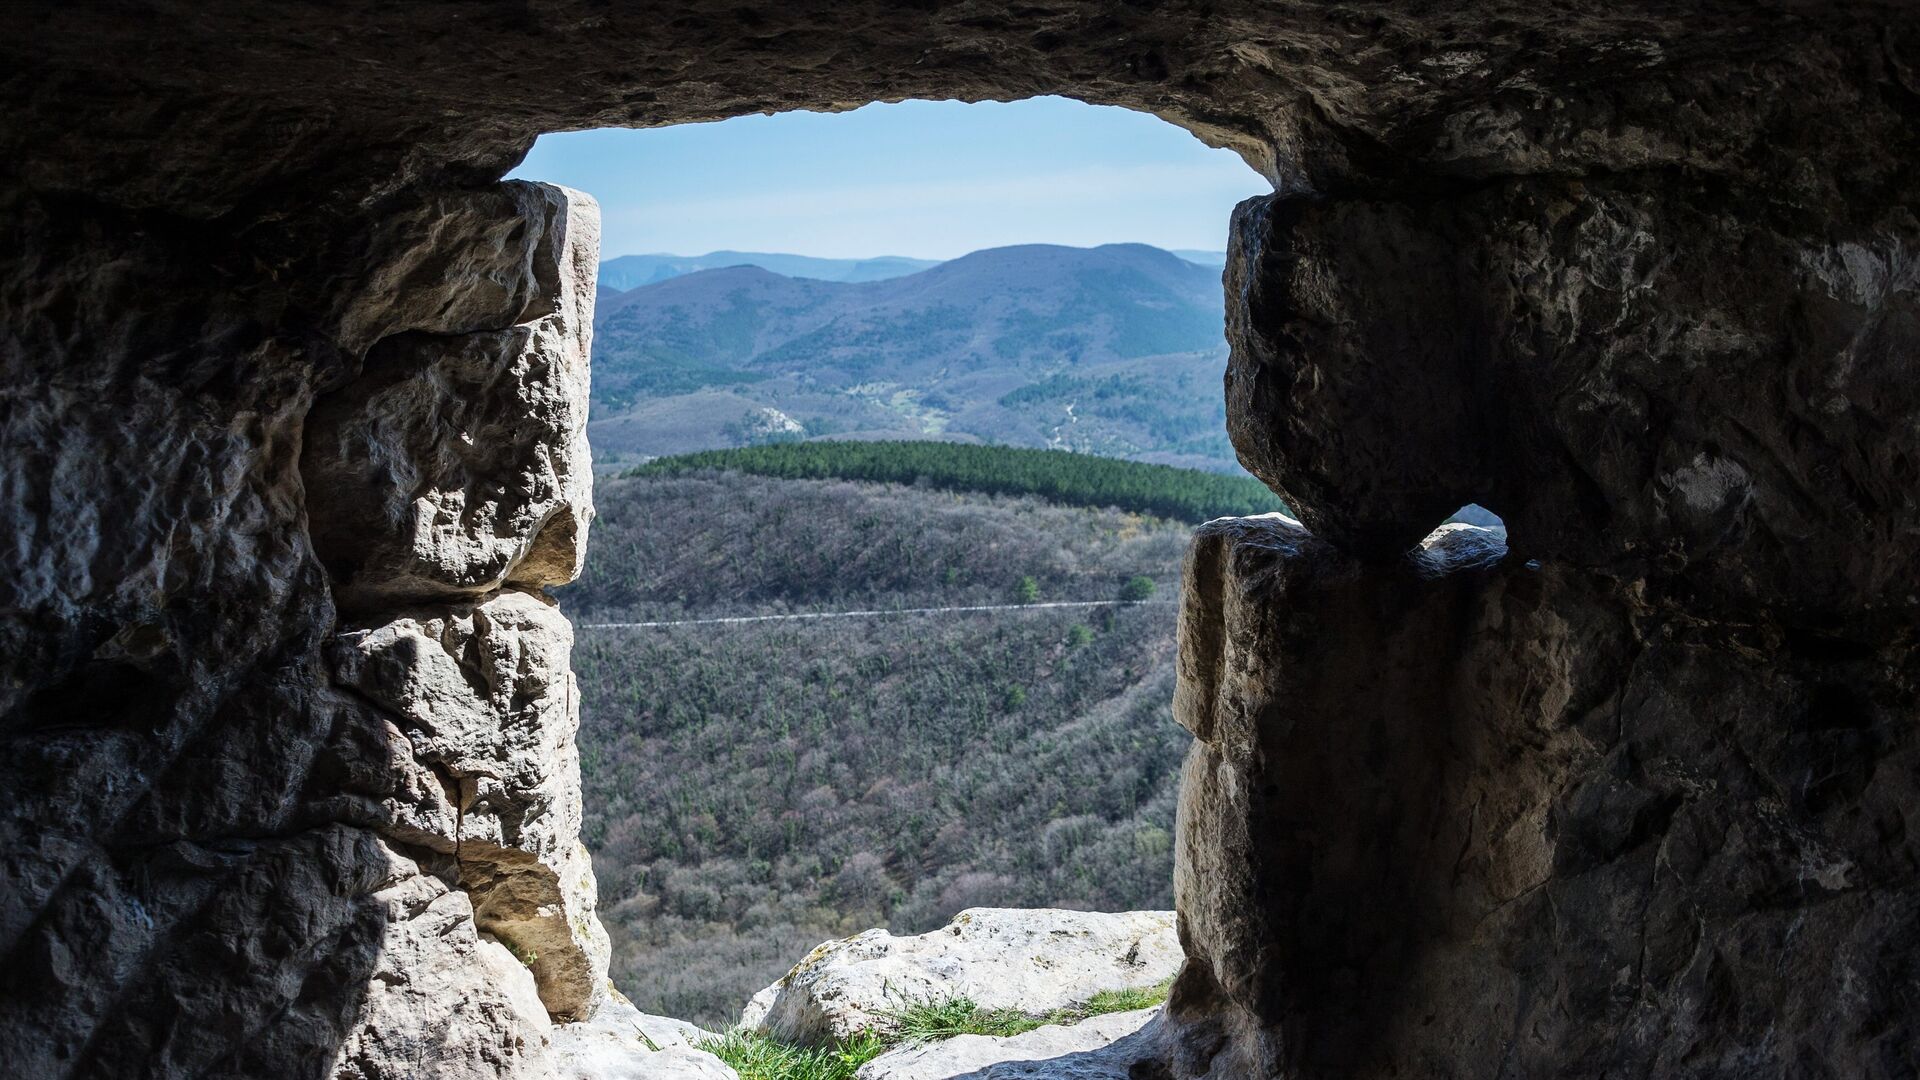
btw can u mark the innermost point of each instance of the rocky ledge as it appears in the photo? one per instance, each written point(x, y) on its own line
point(1098, 1048)
point(999, 992)
point(1030, 960)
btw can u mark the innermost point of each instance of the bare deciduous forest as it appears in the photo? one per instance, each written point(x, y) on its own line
point(752, 790)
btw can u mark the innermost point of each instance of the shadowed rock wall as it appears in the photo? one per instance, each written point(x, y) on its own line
point(1636, 799)
point(1449, 816)
point(284, 800)
point(289, 406)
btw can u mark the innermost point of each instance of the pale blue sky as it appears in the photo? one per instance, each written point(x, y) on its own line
point(931, 179)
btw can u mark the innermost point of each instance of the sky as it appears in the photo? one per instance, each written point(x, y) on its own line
point(929, 179)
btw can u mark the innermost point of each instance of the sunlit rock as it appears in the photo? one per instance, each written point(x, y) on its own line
point(622, 1043)
point(483, 699)
point(443, 1000)
point(1030, 960)
point(1099, 1048)
point(458, 461)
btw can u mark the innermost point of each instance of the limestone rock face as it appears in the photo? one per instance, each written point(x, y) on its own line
point(240, 838)
point(1099, 1048)
point(483, 698)
point(1033, 960)
point(622, 1043)
point(439, 481)
point(487, 1019)
point(458, 462)
point(1803, 97)
point(1431, 360)
point(1587, 819)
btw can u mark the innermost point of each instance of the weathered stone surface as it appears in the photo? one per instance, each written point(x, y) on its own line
point(1100, 1048)
point(484, 701)
point(1649, 841)
point(1033, 960)
point(192, 810)
point(622, 1043)
point(458, 461)
point(442, 1001)
point(1631, 373)
point(1803, 96)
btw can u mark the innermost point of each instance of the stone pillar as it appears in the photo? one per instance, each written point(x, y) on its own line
point(1631, 799)
point(449, 485)
point(288, 785)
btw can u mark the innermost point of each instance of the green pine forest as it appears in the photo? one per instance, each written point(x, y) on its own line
point(1057, 475)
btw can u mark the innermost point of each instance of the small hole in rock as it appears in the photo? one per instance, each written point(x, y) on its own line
point(1478, 516)
point(1471, 536)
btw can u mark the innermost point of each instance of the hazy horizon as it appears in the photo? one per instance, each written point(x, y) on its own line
point(604, 257)
point(916, 179)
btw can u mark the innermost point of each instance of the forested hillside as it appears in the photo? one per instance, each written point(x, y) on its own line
point(1072, 479)
point(1114, 350)
point(755, 788)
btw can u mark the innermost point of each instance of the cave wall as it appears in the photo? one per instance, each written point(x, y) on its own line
point(293, 387)
point(1635, 799)
point(291, 781)
point(1453, 816)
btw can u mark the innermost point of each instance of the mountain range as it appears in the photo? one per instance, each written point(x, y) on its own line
point(1115, 350)
point(633, 271)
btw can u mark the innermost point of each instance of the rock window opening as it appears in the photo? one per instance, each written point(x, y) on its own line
point(296, 414)
point(857, 645)
point(1471, 536)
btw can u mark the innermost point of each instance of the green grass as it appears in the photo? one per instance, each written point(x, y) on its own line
point(927, 1021)
point(1113, 1001)
point(931, 1021)
point(757, 1057)
point(1072, 479)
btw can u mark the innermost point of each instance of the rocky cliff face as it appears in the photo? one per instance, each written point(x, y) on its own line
point(1582, 829)
point(290, 394)
point(312, 789)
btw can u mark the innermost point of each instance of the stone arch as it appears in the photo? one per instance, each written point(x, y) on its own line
point(1642, 280)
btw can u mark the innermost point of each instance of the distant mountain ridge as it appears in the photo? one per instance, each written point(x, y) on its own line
point(625, 272)
point(1115, 350)
point(1215, 259)
point(632, 271)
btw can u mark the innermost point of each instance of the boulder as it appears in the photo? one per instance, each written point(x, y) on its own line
point(1032, 960)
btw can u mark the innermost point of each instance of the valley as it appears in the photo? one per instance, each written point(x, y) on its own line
point(753, 789)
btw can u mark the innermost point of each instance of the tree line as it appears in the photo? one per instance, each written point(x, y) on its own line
point(1186, 495)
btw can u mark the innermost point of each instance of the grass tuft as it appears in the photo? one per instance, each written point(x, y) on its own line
point(757, 1057)
point(1113, 1001)
point(943, 1018)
